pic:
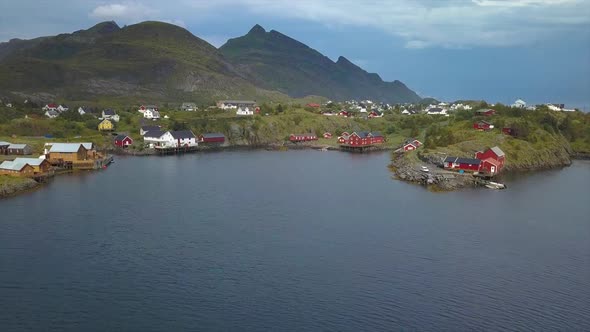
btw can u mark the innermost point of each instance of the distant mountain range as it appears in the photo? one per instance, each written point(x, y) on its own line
point(164, 62)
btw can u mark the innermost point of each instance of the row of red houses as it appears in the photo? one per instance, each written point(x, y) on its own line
point(361, 138)
point(490, 161)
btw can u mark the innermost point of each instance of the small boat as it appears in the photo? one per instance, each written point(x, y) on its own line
point(495, 185)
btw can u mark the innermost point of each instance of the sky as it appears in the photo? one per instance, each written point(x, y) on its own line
point(496, 50)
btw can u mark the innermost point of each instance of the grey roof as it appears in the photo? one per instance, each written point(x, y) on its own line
point(12, 166)
point(213, 135)
point(17, 146)
point(376, 134)
point(109, 112)
point(2, 143)
point(88, 146)
point(65, 147)
point(435, 110)
point(30, 161)
point(189, 104)
point(362, 134)
point(52, 112)
point(148, 128)
point(182, 134)
point(498, 151)
point(483, 110)
point(154, 133)
point(460, 160)
point(410, 140)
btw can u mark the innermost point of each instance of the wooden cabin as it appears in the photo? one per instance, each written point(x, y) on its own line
point(16, 169)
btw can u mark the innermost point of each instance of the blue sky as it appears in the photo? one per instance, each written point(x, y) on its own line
point(497, 50)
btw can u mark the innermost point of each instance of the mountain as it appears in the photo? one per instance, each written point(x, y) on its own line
point(152, 60)
point(275, 61)
point(161, 62)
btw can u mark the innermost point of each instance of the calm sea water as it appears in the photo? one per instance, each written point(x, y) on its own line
point(300, 240)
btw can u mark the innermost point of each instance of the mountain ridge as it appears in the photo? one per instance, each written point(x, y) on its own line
point(167, 62)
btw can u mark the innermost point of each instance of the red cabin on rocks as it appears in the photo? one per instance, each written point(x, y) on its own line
point(495, 154)
point(483, 126)
point(302, 137)
point(327, 135)
point(123, 141)
point(212, 138)
point(412, 144)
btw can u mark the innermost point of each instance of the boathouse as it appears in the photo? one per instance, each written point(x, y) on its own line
point(16, 169)
point(496, 154)
point(462, 164)
point(40, 165)
point(212, 138)
point(19, 149)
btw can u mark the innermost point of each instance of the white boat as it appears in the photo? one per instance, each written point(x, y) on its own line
point(495, 185)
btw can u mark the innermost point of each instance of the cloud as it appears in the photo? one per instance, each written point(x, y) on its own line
point(127, 12)
point(430, 23)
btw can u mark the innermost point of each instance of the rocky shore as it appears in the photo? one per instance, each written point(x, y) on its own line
point(16, 186)
point(436, 179)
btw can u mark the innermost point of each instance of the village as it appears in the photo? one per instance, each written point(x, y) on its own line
point(153, 136)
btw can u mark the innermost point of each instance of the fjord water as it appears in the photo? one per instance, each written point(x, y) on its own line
point(300, 240)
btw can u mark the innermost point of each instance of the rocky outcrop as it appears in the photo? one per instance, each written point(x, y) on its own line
point(435, 179)
point(10, 188)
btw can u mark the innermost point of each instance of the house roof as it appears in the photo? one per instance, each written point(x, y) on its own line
point(17, 146)
point(30, 161)
point(483, 122)
point(376, 134)
point(106, 120)
point(148, 128)
point(362, 134)
point(88, 145)
point(492, 161)
point(12, 166)
point(109, 112)
point(213, 135)
point(52, 112)
point(182, 134)
point(459, 160)
point(51, 105)
point(498, 151)
point(484, 110)
point(66, 147)
point(435, 110)
point(154, 133)
point(2, 143)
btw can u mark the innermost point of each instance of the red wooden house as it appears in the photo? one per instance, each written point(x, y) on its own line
point(375, 114)
point(327, 135)
point(302, 137)
point(483, 126)
point(411, 144)
point(123, 141)
point(495, 158)
point(212, 138)
point(485, 112)
point(464, 164)
point(344, 113)
point(362, 138)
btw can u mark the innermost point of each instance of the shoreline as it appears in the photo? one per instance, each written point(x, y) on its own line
point(440, 180)
point(437, 180)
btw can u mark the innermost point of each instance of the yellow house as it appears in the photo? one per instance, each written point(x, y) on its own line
point(106, 124)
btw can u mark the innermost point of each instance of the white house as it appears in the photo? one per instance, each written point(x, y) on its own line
point(244, 111)
point(111, 115)
point(460, 107)
point(189, 107)
point(170, 139)
point(151, 114)
point(437, 111)
point(51, 114)
point(81, 110)
point(235, 104)
point(9, 105)
point(559, 108)
point(519, 104)
point(62, 108)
